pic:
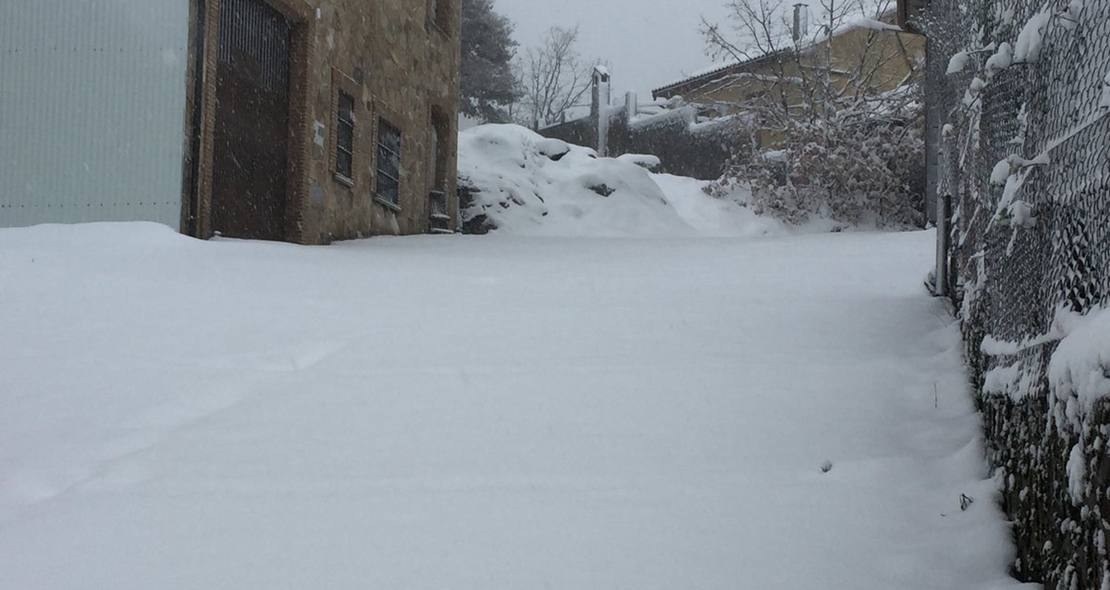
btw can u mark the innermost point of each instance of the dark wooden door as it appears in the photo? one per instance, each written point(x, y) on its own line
point(251, 157)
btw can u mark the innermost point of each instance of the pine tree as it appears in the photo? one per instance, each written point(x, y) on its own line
point(487, 85)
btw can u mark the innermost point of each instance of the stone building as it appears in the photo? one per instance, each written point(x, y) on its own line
point(297, 120)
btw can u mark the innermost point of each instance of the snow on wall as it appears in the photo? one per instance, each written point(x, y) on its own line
point(92, 110)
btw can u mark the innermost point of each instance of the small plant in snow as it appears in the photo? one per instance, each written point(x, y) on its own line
point(965, 502)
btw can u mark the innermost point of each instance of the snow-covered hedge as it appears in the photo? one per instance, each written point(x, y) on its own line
point(856, 167)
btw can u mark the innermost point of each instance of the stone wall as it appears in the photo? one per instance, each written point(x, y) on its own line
point(402, 66)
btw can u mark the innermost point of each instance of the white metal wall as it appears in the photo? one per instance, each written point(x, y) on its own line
point(92, 110)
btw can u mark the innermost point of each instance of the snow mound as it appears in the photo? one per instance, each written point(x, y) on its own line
point(728, 216)
point(523, 183)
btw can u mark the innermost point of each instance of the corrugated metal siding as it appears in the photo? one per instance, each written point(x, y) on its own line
point(92, 107)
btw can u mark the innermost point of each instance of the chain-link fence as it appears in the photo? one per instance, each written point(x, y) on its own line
point(1019, 117)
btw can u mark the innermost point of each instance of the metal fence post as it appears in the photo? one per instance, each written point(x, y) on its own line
point(944, 230)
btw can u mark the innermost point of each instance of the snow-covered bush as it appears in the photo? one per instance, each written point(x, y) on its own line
point(845, 125)
point(853, 167)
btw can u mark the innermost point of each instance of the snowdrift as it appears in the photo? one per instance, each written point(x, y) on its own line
point(523, 183)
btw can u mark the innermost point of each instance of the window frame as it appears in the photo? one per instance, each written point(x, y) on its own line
point(437, 16)
point(439, 128)
point(341, 124)
point(382, 153)
point(342, 84)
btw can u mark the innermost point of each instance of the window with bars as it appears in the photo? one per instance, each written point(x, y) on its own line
point(345, 136)
point(389, 163)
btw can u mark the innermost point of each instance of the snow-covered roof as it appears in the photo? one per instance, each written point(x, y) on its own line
point(878, 16)
point(713, 72)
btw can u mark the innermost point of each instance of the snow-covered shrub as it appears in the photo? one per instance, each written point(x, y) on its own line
point(854, 167)
point(846, 126)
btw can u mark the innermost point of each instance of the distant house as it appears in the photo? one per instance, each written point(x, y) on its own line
point(297, 120)
point(878, 46)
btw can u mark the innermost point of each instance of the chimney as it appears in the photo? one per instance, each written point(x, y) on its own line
point(599, 109)
point(801, 21)
point(601, 93)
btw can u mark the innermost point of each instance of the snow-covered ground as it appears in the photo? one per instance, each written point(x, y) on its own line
point(496, 412)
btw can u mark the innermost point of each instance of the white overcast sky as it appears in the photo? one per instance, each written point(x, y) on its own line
point(648, 43)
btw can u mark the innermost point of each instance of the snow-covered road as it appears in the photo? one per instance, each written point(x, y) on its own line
point(484, 413)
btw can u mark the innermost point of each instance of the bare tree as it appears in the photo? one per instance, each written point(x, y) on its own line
point(553, 78)
point(816, 68)
point(838, 105)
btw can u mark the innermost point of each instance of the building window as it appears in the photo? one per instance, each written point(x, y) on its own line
point(345, 136)
point(438, 151)
point(389, 163)
point(439, 205)
point(437, 14)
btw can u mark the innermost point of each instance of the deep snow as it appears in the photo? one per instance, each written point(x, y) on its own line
point(484, 412)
